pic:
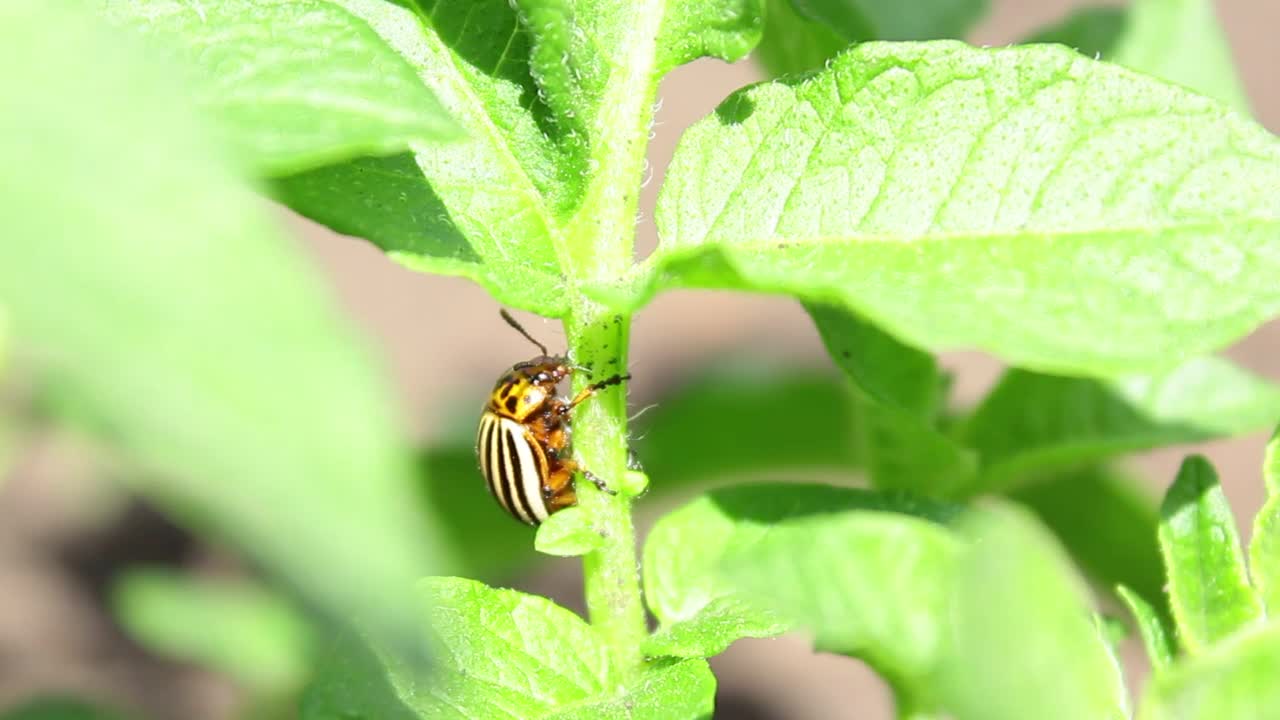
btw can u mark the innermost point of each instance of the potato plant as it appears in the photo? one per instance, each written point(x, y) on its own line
point(1095, 208)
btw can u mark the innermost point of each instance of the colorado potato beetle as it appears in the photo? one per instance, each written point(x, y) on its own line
point(523, 441)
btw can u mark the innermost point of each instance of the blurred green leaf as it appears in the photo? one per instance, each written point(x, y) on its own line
point(901, 393)
point(888, 372)
point(141, 273)
point(867, 583)
point(802, 35)
point(1025, 645)
point(736, 420)
point(1182, 42)
point(505, 654)
point(1151, 628)
point(1060, 213)
point(1208, 588)
point(292, 84)
point(794, 44)
point(1107, 522)
point(907, 20)
point(1177, 40)
point(1264, 546)
point(1090, 31)
point(1032, 423)
point(1112, 632)
point(58, 708)
point(491, 544)
point(905, 453)
point(233, 627)
point(887, 567)
point(1233, 680)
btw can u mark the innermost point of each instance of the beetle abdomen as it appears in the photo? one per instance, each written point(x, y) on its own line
point(514, 467)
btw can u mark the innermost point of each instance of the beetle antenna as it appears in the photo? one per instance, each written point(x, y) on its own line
point(520, 329)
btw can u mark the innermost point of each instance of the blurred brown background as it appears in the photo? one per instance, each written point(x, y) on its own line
point(62, 529)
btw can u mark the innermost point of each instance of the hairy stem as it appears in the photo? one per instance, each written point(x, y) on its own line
point(598, 341)
point(602, 234)
point(600, 239)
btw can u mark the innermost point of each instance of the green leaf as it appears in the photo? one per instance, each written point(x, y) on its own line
point(1107, 521)
point(1208, 589)
point(1025, 644)
point(388, 201)
point(579, 49)
point(1150, 626)
point(1032, 423)
point(905, 453)
point(1264, 547)
point(734, 420)
point(291, 84)
point(701, 611)
point(866, 582)
point(505, 655)
point(679, 690)
point(568, 533)
point(1233, 680)
point(793, 44)
point(1177, 40)
point(1090, 31)
point(140, 273)
point(542, 91)
point(803, 35)
point(1061, 213)
point(1183, 42)
point(888, 372)
point(901, 393)
point(910, 20)
point(724, 29)
point(59, 708)
point(1112, 631)
point(483, 207)
point(233, 627)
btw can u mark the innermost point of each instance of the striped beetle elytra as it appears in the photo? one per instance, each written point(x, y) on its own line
point(523, 441)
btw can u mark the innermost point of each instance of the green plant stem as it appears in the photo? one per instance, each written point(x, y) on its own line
point(598, 341)
point(600, 240)
point(602, 234)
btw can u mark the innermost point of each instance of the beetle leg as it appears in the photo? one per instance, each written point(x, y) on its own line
point(558, 488)
point(590, 390)
point(571, 466)
point(595, 480)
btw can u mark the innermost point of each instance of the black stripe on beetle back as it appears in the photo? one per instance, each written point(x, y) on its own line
point(491, 470)
point(516, 478)
point(502, 469)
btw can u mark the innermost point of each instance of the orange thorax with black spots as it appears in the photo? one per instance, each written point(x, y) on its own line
point(525, 389)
